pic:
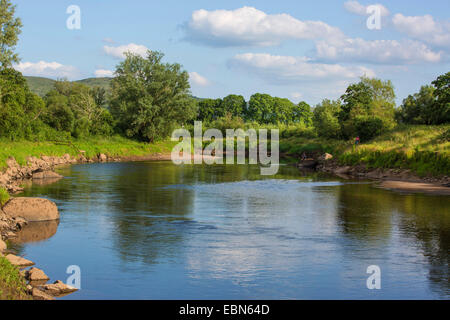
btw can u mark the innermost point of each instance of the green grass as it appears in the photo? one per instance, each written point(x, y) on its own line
point(115, 146)
point(423, 149)
point(12, 285)
point(4, 196)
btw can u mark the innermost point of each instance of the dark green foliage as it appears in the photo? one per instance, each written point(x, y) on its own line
point(430, 106)
point(326, 119)
point(302, 113)
point(442, 104)
point(210, 110)
point(20, 109)
point(368, 127)
point(367, 98)
point(77, 109)
point(149, 98)
point(9, 34)
point(418, 108)
point(234, 105)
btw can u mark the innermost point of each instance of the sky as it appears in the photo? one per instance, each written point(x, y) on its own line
point(301, 50)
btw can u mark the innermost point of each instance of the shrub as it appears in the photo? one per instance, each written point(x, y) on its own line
point(368, 127)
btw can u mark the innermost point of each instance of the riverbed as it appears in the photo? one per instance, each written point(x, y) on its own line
point(154, 230)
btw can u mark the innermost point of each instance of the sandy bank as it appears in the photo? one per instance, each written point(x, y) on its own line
point(415, 187)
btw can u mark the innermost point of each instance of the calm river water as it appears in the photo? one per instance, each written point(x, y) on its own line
point(153, 230)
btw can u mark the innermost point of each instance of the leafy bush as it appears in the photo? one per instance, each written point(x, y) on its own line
point(368, 128)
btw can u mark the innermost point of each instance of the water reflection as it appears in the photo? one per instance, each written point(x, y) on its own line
point(167, 231)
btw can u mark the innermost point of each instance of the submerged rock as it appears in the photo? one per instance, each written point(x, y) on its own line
point(32, 209)
point(46, 175)
point(40, 295)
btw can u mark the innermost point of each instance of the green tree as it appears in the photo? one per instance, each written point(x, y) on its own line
point(58, 114)
point(20, 109)
point(10, 28)
point(302, 113)
point(367, 98)
point(260, 108)
point(149, 98)
point(234, 105)
point(76, 108)
point(441, 108)
point(418, 108)
point(210, 110)
point(326, 119)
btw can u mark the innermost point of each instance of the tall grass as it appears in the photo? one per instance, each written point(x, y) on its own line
point(422, 149)
point(4, 196)
point(12, 285)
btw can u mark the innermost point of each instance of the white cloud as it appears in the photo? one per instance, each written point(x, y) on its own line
point(102, 73)
point(288, 69)
point(119, 51)
point(376, 51)
point(198, 79)
point(359, 9)
point(47, 69)
point(423, 28)
point(249, 26)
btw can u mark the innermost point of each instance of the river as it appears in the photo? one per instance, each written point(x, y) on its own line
point(153, 230)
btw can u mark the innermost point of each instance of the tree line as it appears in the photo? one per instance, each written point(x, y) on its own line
point(148, 99)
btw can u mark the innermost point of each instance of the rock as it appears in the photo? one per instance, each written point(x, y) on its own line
point(20, 222)
point(12, 163)
point(46, 175)
point(32, 209)
point(342, 170)
point(40, 295)
point(102, 157)
point(3, 225)
point(58, 288)
point(326, 157)
point(35, 274)
point(19, 261)
point(2, 246)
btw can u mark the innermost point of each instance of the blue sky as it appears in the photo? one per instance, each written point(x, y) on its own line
point(301, 50)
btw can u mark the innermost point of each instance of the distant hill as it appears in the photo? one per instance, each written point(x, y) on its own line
point(97, 82)
point(41, 86)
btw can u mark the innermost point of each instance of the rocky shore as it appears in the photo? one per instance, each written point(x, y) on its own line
point(32, 219)
point(392, 179)
point(15, 215)
point(27, 219)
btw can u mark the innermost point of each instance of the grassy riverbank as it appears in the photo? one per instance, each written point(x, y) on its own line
point(424, 150)
point(115, 146)
point(12, 285)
